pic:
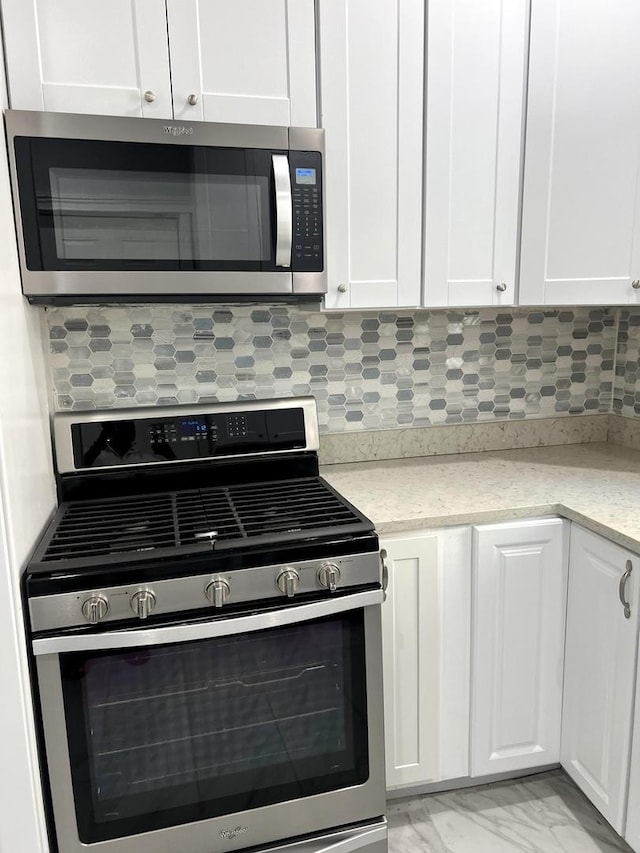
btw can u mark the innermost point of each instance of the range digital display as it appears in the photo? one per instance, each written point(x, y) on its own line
point(193, 426)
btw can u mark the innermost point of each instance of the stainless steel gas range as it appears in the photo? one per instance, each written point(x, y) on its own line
point(205, 626)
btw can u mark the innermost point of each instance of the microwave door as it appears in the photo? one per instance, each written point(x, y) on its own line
point(181, 219)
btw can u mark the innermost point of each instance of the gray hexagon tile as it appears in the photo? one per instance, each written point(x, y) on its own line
point(626, 396)
point(367, 370)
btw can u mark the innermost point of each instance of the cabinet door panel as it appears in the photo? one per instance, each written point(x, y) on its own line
point(600, 666)
point(426, 657)
point(476, 56)
point(248, 62)
point(79, 57)
point(519, 590)
point(371, 98)
point(582, 165)
point(632, 829)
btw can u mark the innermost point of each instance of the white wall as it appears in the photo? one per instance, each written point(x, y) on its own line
point(27, 500)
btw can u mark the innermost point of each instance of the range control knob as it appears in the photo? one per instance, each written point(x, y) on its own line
point(217, 591)
point(288, 582)
point(143, 603)
point(95, 608)
point(329, 576)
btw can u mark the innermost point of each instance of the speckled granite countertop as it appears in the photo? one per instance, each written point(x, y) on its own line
point(596, 485)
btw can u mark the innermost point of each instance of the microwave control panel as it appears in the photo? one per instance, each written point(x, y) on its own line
point(307, 252)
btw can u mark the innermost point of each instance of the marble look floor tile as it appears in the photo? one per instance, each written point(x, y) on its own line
point(545, 813)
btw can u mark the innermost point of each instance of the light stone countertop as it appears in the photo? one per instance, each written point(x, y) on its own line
point(596, 485)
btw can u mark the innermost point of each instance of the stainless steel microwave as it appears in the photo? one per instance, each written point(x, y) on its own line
point(114, 209)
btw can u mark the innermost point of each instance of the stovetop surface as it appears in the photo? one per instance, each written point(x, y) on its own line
point(93, 532)
point(240, 490)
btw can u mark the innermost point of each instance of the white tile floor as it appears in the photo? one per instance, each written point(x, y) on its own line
point(545, 813)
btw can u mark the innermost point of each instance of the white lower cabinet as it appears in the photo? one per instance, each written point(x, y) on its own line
point(518, 621)
point(505, 649)
point(600, 673)
point(425, 623)
point(632, 829)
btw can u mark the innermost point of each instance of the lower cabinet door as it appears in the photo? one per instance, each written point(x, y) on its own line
point(425, 623)
point(600, 671)
point(632, 830)
point(518, 620)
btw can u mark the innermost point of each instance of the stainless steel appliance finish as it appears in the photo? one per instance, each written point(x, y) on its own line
point(287, 276)
point(62, 424)
point(224, 692)
point(185, 594)
point(280, 820)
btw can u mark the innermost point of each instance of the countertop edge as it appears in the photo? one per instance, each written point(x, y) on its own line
point(390, 528)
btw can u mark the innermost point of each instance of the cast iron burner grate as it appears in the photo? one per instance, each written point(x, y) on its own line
point(221, 517)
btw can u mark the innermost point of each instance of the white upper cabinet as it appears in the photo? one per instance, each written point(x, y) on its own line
point(425, 639)
point(580, 237)
point(371, 104)
point(476, 59)
point(79, 57)
point(600, 670)
point(249, 61)
point(518, 604)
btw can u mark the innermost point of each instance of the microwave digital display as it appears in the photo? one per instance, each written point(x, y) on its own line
point(306, 176)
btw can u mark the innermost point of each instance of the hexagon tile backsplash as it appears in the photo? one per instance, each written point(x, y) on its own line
point(367, 370)
point(626, 399)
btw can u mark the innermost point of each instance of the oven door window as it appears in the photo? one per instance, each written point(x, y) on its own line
point(119, 206)
point(166, 735)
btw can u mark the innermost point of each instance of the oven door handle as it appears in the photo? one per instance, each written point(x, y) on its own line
point(284, 215)
point(185, 633)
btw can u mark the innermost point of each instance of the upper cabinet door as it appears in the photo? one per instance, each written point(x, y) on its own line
point(476, 62)
point(580, 242)
point(249, 61)
point(371, 101)
point(78, 57)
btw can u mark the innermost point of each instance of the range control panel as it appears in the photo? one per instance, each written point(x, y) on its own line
point(307, 253)
point(135, 441)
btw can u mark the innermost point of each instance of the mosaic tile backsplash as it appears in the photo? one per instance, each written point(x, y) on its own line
point(626, 398)
point(367, 370)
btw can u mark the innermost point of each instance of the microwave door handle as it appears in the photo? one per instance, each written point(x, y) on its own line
point(284, 216)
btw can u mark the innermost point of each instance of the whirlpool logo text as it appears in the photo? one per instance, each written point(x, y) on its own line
point(177, 130)
point(230, 834)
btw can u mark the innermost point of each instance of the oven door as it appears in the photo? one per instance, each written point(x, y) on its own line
point(217, 734)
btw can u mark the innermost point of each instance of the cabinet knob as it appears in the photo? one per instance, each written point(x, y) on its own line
point(635, 283)
point(192, 100)
point(342, 288)
point(149, 97)
point(501, 287)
